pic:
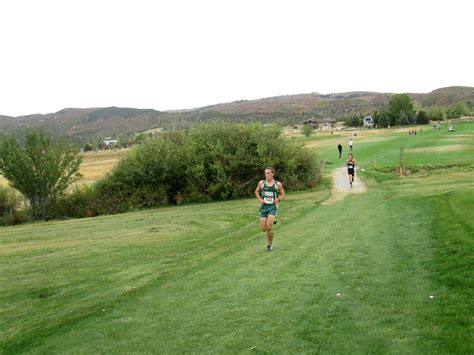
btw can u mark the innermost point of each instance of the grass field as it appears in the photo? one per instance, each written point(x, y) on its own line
point(386, 271)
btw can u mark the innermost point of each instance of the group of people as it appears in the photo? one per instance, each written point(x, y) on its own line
point(270, 193)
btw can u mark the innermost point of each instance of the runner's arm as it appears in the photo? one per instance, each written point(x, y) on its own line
point(281, 192)
point(257, 192)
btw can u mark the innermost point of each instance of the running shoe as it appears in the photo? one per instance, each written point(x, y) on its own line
point(269, 248)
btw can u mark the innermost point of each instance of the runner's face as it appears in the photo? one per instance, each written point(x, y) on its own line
point(268, 174)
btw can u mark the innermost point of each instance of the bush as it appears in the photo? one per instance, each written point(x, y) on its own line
point(354, 121)
point(10, 203)
point(436, 113)
point(307, 130)
point(81, 202)
point(214, 161)
point(422, 117)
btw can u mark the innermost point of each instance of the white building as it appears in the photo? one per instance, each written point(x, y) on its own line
point(368, 121)
point(109, 143)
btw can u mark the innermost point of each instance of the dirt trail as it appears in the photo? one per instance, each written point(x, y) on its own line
point(341, 187)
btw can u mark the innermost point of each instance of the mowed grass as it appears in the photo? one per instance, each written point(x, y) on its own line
point(381, 148)
point(387, 271)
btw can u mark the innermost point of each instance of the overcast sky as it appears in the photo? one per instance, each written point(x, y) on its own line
point(181, 54)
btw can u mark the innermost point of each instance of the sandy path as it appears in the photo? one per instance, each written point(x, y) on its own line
point(341, 187)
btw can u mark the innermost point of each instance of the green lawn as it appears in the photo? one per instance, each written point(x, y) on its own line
point(387, 271)
point(432, 146)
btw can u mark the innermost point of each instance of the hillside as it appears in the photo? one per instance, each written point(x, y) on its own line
point(85, 124)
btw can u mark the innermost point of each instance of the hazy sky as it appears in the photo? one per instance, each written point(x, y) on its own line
point(180, 54)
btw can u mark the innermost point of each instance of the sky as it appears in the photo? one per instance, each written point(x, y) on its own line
point(182, 54)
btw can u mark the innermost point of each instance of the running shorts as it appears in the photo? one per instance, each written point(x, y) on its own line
point(265, 210)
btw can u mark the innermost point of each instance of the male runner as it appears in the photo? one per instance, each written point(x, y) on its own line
point(269, 193)
point(351, 163)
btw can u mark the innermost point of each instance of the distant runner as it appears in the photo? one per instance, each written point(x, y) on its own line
point(351, 163)
point(269, 193)
point(339, 148)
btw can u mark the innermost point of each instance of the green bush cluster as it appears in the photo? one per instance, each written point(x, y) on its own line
point(81, 202)
point(214, 161)
point(354, 121)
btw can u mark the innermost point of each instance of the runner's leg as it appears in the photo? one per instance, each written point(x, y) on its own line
point(270, 220)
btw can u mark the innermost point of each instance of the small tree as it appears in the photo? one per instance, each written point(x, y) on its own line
point(458, 110)
point(307, 130)
point(381, 119)
point(41, 169)
point(422, 117)
point(354, 121)
point(401, 110)
point(436, 113)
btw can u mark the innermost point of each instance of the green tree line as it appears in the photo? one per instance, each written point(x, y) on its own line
point(400, 111)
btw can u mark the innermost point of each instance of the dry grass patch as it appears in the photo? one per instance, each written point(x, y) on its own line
point(444, 148)
point(96, 164)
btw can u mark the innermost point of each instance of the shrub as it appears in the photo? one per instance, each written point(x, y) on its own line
point(81, 202)
point(436, 113)
point(354, 121)
point(422, 117)
point(307, 130)
point(10, 203)
point(214, 161)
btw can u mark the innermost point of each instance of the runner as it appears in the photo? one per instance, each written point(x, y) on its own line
point(351, 163)
point(269, 193)
point(339, 148)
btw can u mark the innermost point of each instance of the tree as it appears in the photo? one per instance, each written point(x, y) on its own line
point(307, 130)
point(381, 118)
point(458, 110)
point(401, 110)
point(354, 121)
point(422, 117)
point(436, 113)
point(41, 169)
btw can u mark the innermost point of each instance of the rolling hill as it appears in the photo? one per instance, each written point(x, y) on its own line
point(89, 123)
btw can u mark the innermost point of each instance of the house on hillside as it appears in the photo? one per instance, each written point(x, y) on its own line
point(321, 123)
point(368, 121)
point(108, 143)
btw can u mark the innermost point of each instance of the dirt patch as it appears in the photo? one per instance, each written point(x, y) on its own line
point(341, 187)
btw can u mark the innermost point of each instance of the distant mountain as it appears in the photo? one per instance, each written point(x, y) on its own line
point(85, 124)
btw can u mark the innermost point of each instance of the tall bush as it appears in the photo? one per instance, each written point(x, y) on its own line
point(214, 161)
point(10, 204)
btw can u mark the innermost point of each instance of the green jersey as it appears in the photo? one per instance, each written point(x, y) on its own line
point(269, 193)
